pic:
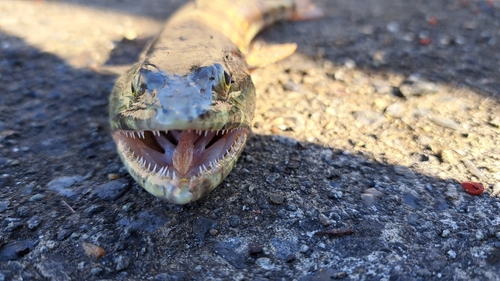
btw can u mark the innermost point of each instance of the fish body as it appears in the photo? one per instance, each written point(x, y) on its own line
point(181, 116)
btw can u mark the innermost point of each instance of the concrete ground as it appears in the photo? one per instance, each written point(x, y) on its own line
point(361, 142)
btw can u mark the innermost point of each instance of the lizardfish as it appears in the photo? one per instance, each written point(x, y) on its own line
point(180, 117)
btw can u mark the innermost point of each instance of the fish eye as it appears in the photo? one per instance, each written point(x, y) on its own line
point(227, 79)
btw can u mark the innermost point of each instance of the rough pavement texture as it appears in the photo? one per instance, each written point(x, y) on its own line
point(365, 134)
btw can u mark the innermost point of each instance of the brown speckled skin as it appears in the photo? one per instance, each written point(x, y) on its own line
point(179, 84)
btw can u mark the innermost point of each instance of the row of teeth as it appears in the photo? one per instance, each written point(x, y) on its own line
point(163, 171)
point(140, 134)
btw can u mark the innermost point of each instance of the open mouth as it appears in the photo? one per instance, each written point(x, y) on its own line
point(177, 154)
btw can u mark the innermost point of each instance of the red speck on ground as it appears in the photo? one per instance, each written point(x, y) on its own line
point(433, 21)
point(425, 41)
point(474, 188)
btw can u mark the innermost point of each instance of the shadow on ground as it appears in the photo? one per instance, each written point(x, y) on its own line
point(444, 42)
point(56, 153)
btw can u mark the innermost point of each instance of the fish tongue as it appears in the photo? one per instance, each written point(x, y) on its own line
point(182, 159)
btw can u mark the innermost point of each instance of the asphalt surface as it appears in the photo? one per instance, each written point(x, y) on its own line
point(361, 144)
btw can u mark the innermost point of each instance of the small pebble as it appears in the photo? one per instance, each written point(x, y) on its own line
point(324, 220)
point(276, 199)
point(418, 88)
point(254, 248)
point(396, 110)
point(404, 171)
point(93, 251)
point(446, 233)
point(96, 271)
point(234, 221)
point(371, 196)
point(393, 27)
point(113, 176)
point(63, 234)
point(265, 263)
point(451, 192)
point(446, 122)
point(452, 254)
point(213, 231)
point(122, 263)
point(496, 188)
point(112, 190)
point(23, 211)
point(272, 177)
point(304, 248)
point(51, 244)
point(34, 221)
point(92, 210)
point(290, 258)
point(37, 197)
point(291, 207)
point(62, 185)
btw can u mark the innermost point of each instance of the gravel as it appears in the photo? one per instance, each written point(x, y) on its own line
point(365, 134)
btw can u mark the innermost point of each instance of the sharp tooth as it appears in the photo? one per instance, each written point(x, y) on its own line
point(168, 172)
point(161, 170)
point(174, 176)
point(142, 134)
point(149, 167)
point(154, 169)
point(199, 168)
point(223, 131)
point(133, 134)
point(206, 133)
point(216, 132)
point(166, 132)
point(205, 167)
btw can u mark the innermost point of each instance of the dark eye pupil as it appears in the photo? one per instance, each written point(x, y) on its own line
point(227, 78)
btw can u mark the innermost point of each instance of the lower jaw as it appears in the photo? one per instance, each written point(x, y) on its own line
point(180, 190)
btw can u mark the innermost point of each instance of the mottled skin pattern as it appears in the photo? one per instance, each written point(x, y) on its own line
point(181, 83)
